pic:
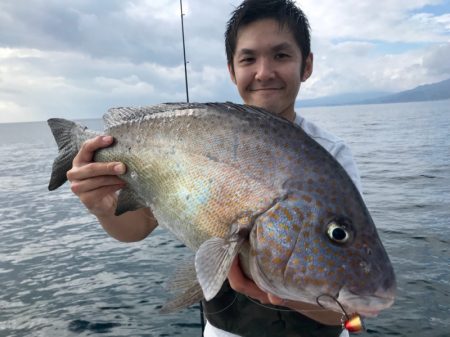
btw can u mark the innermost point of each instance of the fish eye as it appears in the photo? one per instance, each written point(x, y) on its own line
point(338, 233)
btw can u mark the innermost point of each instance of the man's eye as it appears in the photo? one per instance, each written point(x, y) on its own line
point(281, 56)
point(246, 60)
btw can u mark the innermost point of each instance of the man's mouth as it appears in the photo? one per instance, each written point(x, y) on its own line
point(264, 89)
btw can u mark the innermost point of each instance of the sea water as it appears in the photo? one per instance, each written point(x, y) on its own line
point(61, 275)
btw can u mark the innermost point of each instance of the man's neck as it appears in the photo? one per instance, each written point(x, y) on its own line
point(289, 115)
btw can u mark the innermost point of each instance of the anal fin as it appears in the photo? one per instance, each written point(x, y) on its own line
point(185, 286)
point(183, 300)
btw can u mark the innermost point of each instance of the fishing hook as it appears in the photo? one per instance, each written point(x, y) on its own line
point(353, 323)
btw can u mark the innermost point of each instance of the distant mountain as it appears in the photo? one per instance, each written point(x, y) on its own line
point(342, 99)
point(428, 92)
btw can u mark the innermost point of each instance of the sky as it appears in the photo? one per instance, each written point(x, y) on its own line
point(77, 58)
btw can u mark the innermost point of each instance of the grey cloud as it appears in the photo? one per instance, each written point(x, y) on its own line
point(91, 55)
point(95, 54)
point(100, 29)
point(436, 61)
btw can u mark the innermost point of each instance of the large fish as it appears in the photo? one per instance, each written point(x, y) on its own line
point(230, 179)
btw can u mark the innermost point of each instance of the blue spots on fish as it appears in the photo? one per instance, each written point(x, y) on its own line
point(276, 235)
point(291, 242)
point(203, 196)
point(196, 194)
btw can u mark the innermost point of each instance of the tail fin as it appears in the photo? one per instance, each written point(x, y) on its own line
point(64, 132)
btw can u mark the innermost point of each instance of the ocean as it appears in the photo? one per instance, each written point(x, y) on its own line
point(61, 275)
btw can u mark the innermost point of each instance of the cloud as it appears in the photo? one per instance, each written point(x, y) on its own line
point(383, 20)
point(13, 112)
point(358, 67)
point(435, 61)
point(136, 30)
point(70, 84)
point(375, 45)
point(77, 58)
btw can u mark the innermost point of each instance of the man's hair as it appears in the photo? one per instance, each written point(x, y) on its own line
point(284, 11)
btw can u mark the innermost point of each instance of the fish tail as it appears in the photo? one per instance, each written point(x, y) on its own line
point(65, 133)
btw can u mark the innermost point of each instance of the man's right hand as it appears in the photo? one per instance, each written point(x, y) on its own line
point(240, 283)
point(96, 183)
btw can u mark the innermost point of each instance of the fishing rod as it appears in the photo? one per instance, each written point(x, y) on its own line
point(202, 318)
point(184, 52)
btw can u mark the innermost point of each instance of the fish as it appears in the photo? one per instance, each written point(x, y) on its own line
point(229, 179)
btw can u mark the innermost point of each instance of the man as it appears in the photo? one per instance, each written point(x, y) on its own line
point(268, 52)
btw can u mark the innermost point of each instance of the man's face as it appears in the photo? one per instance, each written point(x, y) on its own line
point(267, 65)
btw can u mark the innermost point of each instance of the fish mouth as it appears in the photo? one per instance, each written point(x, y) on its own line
point(345, 301)
point(366, 306)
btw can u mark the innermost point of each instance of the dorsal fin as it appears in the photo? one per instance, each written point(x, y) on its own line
point(121, 115)
point(248, 109)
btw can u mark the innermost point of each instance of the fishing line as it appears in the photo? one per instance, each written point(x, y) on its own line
point(221, 310)
point(285, 310)
point(266, 306)
point(334, 299)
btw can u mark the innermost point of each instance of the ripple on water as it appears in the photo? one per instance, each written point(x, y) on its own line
point(61, 275)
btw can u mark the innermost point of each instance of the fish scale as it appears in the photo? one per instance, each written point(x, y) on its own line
point(230, 179)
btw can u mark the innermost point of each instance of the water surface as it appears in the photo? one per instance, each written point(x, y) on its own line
point(61, 275)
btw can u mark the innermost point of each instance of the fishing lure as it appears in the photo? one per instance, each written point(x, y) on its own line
point(352, 323)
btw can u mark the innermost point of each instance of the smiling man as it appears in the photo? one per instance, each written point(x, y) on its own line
point(268, 67)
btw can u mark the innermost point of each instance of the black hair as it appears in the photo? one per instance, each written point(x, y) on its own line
point(284, 11)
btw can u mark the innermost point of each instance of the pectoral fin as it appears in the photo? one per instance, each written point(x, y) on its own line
point(215, 256)
point(128, 201)
point(213, 262)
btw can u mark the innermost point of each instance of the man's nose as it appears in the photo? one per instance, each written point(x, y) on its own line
point(265, 70)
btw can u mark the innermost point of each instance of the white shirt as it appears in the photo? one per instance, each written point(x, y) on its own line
point(341, 152)
point(334, 145)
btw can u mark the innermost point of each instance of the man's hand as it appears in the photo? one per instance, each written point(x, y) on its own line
point(240, 283)
point(96, 183)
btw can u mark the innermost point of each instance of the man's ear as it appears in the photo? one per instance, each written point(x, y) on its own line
point(231, 72)
point(308, 67)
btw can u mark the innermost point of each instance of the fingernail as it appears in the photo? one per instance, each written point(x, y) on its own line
point(107, 139)
point(119, 168)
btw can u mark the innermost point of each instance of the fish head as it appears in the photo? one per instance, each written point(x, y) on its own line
point(312, 249)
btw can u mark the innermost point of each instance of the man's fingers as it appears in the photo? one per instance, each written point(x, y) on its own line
point(275, 300)
point(83, 186)
point(240, 283)
point(91, 199)
point(89, 147)
point(95, 169)
point(236, 277)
